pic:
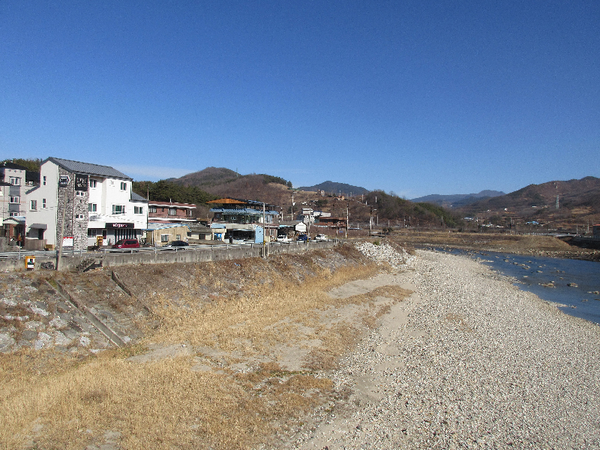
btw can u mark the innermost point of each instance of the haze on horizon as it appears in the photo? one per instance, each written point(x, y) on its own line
point(412, 97)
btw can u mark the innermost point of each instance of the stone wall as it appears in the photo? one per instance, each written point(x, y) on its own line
point(70, 206)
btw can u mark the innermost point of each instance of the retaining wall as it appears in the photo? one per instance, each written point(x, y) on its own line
point(191, 255)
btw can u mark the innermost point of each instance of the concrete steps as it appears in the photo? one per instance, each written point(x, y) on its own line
point(107, 306)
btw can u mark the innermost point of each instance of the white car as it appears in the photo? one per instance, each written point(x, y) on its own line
point(321, 237)
point(284, 239)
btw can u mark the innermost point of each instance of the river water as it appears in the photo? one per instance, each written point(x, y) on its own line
point(573, 284)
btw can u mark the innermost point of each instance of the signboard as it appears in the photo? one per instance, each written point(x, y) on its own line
point(119, 225)
point(64, 180)
point(81, 182)
point(68, 241)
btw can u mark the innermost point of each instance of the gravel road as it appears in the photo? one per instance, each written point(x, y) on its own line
point(469, 361)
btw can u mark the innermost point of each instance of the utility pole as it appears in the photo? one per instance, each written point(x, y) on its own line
point(292, 206)
point(347, 218)
point(264, 231)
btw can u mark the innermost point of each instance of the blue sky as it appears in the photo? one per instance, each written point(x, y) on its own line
point(412, 97)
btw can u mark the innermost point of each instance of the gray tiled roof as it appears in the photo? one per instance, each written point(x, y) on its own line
point(137, 198)
point(89, 169)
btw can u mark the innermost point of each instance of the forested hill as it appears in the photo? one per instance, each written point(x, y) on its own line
point(331, 187)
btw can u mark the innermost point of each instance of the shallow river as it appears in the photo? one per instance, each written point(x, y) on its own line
point(576, 284)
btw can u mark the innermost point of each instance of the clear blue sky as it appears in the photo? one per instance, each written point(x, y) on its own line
point(412, 97)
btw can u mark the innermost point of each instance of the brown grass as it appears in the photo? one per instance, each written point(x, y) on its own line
point(56, 401)
point(482, 241)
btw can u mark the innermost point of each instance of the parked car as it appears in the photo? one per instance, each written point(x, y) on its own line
point(302, 237)
point(176, 245)
point(284, 239)
point(321, 237)
point(127, 243)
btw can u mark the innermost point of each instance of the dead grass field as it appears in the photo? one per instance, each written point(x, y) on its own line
point(230, 372)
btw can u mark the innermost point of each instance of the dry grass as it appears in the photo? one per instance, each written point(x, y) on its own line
point(55, 401)
point(483, 241)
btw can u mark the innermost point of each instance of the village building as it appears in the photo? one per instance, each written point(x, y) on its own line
point(160, 234)
point(199, 232)
point(243, 220)
point(14, 183)
point(171, 212)
point(85, 205)
point(328, 224)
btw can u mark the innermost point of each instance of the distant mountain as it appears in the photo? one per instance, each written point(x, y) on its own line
point(208, 177)
point(335, 188)
point(222, 182)
point(584, 193)
point(457, 200)
point(557, 202)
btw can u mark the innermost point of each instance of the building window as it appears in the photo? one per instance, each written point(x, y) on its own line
point(138, 210)
point(123, 186)
point(15, 199)
point(177, 237)
point(164, 238)
point(80, 193)
point(152, 209)
point(33, 205)
point(92, 207)
point(44, 203)
point(15, 181)
point(93, 183)
point(44, 180)
point(79, 216)
point(14, 214)
point(172, 211)
point(118, 209)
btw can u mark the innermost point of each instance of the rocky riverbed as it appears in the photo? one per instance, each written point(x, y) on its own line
point(469, 361)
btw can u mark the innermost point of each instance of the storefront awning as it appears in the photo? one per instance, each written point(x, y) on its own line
point(14, 221)
point(39, 226)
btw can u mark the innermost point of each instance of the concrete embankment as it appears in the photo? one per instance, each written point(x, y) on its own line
point(82, 261)
point(100, 309)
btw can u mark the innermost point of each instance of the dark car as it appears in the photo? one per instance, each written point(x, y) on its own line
point(127, 243)
point(302, 237)
point(174, 245)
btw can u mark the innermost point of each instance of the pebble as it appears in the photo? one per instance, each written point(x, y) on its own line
point(477, 364)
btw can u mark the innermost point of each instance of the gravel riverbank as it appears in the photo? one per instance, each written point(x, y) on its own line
point(469, 361)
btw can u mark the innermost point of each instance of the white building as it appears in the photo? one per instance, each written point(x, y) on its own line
point(85, 204)
point(13, 202)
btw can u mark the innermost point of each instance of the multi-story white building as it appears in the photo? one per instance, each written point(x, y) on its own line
point(13, 199)
point(84, 204)
point(15, 175)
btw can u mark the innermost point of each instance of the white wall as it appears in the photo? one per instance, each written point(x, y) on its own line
point(49, 192)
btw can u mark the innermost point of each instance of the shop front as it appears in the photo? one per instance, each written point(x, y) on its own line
point(112, 233)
